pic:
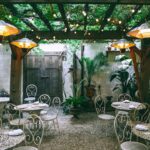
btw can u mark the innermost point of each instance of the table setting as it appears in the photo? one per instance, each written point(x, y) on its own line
point(142, 130)
point(32, 107)
point(127, 105)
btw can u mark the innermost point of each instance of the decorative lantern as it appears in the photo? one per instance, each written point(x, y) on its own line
point(141, 32)
point(122, 44)
point(7, 29)
point(24, 43)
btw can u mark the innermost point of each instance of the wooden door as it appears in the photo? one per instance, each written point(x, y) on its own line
point(45, 72)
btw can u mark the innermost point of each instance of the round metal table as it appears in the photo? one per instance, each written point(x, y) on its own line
point(7, 141)
point(126, 106)
point(142, 134)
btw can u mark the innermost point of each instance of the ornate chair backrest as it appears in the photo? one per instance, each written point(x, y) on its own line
point(45, 98)
point(122, 129)
point(55, 107)
point(142, 115)
point(34, 130)
point(124, 96)
point(11, 113)
point(31, 90)
point(99, 104)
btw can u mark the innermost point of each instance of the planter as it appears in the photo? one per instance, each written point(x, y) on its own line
point(90, 91)
point(75, 112)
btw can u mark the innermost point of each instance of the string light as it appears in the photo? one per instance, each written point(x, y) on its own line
point(132, 10)
point(89, 33)
point(10, 16)
point(75, 32)
point(77, 25)
point(97, 20)
point(54, 15)
point(65, 30)
point(108, 19)
point(84, 13)
point(120, 21)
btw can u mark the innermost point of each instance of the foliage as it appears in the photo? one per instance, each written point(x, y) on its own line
point(125, 82)
point(74, 101)
point(94, 65)
point(75, 17)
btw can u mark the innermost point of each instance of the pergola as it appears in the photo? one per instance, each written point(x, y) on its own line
point(75, 19)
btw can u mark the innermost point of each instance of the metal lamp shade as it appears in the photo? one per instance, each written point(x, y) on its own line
point(122, 44)
point(141, 32)
point(7, 29)
point(24, 43)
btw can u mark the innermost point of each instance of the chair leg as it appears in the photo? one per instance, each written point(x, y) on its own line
point(57, 126)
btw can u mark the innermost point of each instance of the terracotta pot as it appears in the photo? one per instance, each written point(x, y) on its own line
point(90, 90)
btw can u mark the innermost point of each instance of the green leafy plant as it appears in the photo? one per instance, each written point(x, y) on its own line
point(94, 65)
point(125, 82)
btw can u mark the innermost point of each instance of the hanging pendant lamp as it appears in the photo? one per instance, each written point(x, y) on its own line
point(143, 31)
point(24, 43)
point(7, 29)
point(122, 44)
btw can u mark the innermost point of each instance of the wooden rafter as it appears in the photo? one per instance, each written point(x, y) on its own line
point(107, 15)
point(42, 17)
point(94, 35)
point(14, 11)
point(133, 2)
point(130, 17)
point(86, 9)
point(63, 14)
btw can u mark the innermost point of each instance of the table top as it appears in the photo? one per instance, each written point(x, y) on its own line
point(142, 134)
point(8, 141)
point(30, 107)
point(4, 99)
point(127, 106)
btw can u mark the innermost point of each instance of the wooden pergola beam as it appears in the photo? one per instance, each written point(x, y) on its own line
point(42, 17)
point(86, 9)
point(14, 11)
point(132, 2)
point(107, 15)
point(94, 35)
point(63, 14)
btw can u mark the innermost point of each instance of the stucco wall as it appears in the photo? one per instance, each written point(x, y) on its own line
point(5, 65)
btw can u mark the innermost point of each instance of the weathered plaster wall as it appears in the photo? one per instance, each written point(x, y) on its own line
point(5, 65)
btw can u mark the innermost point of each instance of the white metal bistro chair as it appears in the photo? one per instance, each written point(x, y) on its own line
point(45, 98)
point(31, 91)
point(124, 96)
point(51, 118)
point(124, 133)
point(34, 131)
point(13, 116)
point(100, 107)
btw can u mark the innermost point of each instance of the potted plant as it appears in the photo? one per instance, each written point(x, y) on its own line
point(92, 66)
point(73, 105)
